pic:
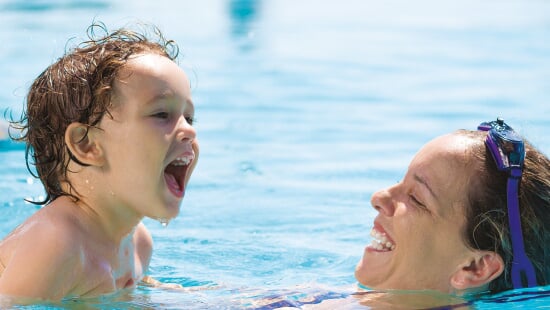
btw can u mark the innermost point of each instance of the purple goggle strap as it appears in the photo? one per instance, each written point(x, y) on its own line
point(520, 262)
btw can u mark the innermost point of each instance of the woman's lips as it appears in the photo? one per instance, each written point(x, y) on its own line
point(381, 242)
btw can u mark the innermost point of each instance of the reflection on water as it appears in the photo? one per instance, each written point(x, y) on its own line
point(243, 18)
point(243, 14)
point(43, 6)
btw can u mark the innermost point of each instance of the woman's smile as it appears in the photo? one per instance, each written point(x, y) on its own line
point(381, 241)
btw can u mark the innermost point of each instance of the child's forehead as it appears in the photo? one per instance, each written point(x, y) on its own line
point(150, 64)
point(152, 77)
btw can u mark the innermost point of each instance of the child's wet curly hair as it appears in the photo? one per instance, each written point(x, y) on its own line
point(77, 88)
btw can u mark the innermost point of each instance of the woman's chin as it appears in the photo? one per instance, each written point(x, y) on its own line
point(372, 272)
point(362, 275)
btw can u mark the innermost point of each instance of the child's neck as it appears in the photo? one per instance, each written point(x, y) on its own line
point(111, 222)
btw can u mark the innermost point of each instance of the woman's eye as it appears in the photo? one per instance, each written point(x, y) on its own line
point(416, 201)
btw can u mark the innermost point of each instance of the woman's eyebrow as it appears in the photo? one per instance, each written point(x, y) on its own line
point(423, 181)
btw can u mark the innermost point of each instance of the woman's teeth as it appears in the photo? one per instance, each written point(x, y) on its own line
point(381, 242)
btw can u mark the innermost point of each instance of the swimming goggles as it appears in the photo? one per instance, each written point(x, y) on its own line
point(508, 151)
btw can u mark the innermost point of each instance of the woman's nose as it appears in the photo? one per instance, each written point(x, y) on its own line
point(383, 203)
point(185, 132)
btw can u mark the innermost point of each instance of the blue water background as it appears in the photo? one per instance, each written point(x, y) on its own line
point(304, 108)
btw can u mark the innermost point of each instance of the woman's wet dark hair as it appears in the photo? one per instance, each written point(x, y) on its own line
point(77, 88)
point(487, 225)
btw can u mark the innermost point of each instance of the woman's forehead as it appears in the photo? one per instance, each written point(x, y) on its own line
point(446, 163)
point(454, 149)
point(452, 152)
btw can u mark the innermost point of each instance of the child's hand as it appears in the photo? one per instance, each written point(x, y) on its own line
point(151, 282)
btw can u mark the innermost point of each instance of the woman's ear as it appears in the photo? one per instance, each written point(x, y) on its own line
point(482, 268)
point(83, 144)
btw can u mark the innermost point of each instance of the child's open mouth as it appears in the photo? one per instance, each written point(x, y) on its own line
point(175, 174)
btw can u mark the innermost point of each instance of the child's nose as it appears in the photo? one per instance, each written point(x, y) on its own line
point(185, 132)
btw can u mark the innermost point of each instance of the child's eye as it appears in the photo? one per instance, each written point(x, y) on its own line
point(190, 120)
point(161, 115)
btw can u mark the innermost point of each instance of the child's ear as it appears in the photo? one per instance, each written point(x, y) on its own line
point(482, 268)
point(83, 144)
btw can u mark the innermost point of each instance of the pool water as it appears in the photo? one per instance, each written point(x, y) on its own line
point(303, 109)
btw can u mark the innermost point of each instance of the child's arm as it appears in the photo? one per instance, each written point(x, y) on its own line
point(143, 243)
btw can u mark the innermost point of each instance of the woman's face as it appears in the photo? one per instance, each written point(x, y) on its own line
point(417, 234)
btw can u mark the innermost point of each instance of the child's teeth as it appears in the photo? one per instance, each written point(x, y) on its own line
point(181, 161)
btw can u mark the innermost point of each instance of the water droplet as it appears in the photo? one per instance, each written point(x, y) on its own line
point(164, 222)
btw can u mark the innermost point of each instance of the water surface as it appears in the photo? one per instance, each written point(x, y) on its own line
point(303, 110)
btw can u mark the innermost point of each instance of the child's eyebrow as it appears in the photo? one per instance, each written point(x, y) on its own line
point(160, 97)
point(167, 96)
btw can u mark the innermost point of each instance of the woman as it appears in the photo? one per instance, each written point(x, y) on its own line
point(442, 234)
point(471, 215)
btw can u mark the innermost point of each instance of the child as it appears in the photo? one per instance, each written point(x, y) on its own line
point(109, 129)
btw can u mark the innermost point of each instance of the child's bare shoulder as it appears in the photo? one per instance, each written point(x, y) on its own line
point(51, 230)
point(41, 247)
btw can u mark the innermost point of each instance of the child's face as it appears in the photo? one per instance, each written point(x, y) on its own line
point(149, 143)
